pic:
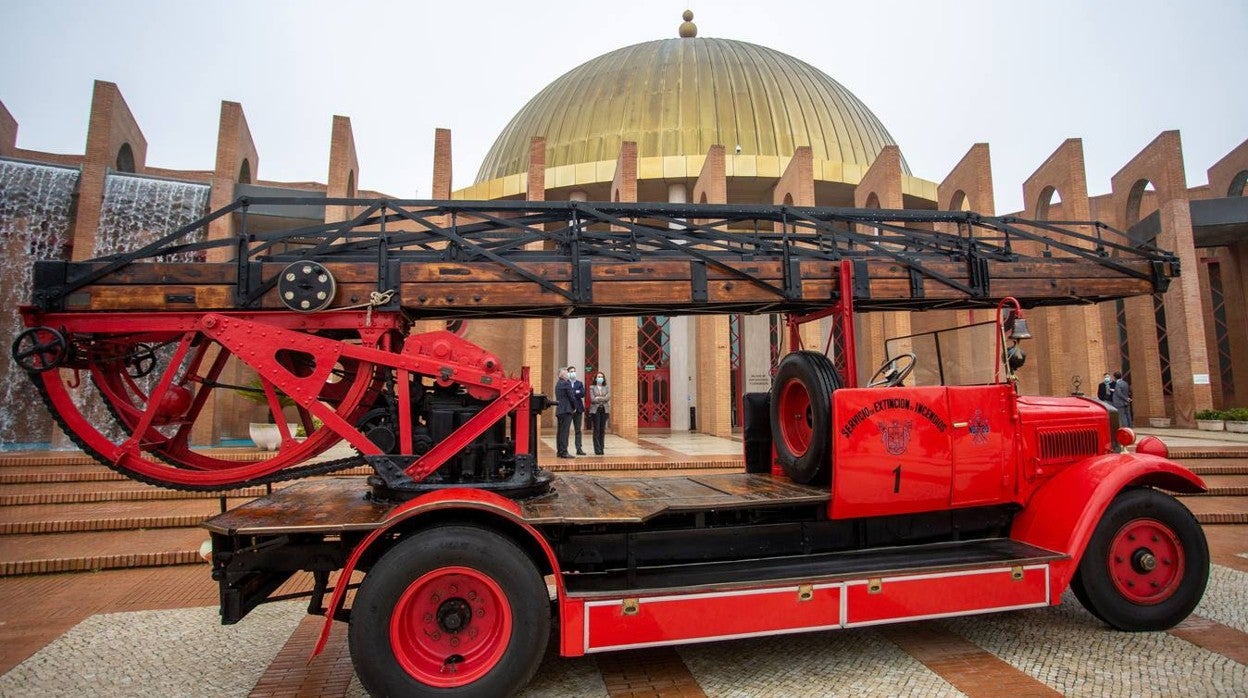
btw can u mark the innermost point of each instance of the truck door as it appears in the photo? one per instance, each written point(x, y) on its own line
point(891, 451)
point(983, 443)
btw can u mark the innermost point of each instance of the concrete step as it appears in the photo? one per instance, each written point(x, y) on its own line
point(1217, 509)
point(108, 516)
point(81, 552)
point(18, 459)
point(52, 474)
point(1216, 466)
point(32, 474)
point(112, 491)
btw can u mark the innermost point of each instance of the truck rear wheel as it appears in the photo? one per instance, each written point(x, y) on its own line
point(1147, 563)
point(801, 415)
point(455, 610)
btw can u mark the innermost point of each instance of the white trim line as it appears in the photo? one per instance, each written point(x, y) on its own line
point(951, 614)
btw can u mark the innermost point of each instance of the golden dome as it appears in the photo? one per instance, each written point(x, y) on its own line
point(678, 97)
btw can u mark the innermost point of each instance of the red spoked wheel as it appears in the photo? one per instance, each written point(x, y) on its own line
point(450, 627)
point(450, 610)
point(156, 387)
point(801, 415)
point(1146, 561)
point(1146, 564)
point(797, 424)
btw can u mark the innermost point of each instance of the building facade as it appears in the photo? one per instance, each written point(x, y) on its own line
point(701, 120)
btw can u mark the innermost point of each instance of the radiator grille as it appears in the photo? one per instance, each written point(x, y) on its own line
point(1067, 444)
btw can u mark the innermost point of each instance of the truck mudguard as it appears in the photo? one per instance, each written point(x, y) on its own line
point(1063, 512)
point(442, 500)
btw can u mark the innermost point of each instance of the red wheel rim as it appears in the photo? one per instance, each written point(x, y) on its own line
point(796, 422)
point(1146, 561)
point(450, 627)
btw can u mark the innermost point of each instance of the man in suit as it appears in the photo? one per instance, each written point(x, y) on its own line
point(578, 417)
point(565, 407)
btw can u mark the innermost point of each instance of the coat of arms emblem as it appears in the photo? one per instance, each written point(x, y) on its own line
point(979, 427)
point(896, 435)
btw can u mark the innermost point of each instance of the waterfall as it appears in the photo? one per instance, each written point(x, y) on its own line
point(140, 210)
point(136, 212)
point(35, 203)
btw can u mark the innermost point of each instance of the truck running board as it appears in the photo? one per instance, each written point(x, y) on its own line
point(699, 603)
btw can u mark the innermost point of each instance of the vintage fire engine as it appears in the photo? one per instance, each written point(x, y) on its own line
point(934, 490)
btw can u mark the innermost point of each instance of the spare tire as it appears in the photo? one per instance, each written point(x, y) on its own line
point(801, 416)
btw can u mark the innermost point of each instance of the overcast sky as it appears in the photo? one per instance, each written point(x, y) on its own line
point(1022, 76)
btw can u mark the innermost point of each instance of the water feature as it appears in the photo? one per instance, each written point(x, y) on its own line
point(139, 210)
point(35, 216)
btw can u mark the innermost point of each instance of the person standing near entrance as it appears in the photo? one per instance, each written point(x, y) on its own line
point(1122, 398)
point(1105, 391)
point(565, 406)
point(578, 416)
point(599, 411)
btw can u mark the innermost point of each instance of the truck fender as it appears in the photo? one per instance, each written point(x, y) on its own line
point(442, 500)
point(1062, 514)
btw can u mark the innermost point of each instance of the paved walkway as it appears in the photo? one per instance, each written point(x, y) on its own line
point(154, 631)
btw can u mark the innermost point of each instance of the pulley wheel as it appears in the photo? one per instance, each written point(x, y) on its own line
point(40, 349)
point(306, 287)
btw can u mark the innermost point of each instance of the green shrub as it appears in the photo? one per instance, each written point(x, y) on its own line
point(1209, 415)
point(1236, 414)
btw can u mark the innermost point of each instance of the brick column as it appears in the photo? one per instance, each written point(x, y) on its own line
point(532, 330)
point(439, 190)
point(880, 188)
point(111, 127)
point(344, 169)
point(1071, 338)
point(8, 131)
point(623, 373)
point(1161, 163)
point(237, 161)
point(713, 355)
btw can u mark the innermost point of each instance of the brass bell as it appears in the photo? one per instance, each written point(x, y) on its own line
point(1018, 329)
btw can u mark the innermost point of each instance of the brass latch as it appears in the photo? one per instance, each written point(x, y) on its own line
point(630, 607)
point(875, 585)
point(1016, 573)
point(805, 592)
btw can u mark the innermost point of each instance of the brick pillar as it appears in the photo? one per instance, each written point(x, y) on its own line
point(227, 414)
point(883, 180)
point(237, 161)
point(8, 131)
point(1184, 319)
point(344, 170)
point(1161, 163)
point(624, 329)
point(441, 191)
point(533, 347)
point(713, 355)
point(1072, 340)
point(111, 127)
point(1235, 290)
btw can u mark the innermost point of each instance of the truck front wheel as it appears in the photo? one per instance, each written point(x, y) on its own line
point(1147, 563)
point(454, 610)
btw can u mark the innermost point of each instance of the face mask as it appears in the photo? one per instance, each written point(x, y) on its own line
point(572, 375)
point(1108, 379)
point(601, 380)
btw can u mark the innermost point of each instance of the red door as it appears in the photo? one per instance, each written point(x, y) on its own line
point(654, 393)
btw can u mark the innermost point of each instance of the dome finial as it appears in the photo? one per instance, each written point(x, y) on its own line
point(688, 29)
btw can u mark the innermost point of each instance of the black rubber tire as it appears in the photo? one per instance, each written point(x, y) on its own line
point(1081, 593)
point(817, 376)
point(480, 549)
point(1102, 597)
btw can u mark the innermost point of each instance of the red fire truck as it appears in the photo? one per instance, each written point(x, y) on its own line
point(934, 489)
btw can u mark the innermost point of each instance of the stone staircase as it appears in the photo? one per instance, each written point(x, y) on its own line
point(62, 512)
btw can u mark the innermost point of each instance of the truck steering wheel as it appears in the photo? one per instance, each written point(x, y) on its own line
point(889, 374)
